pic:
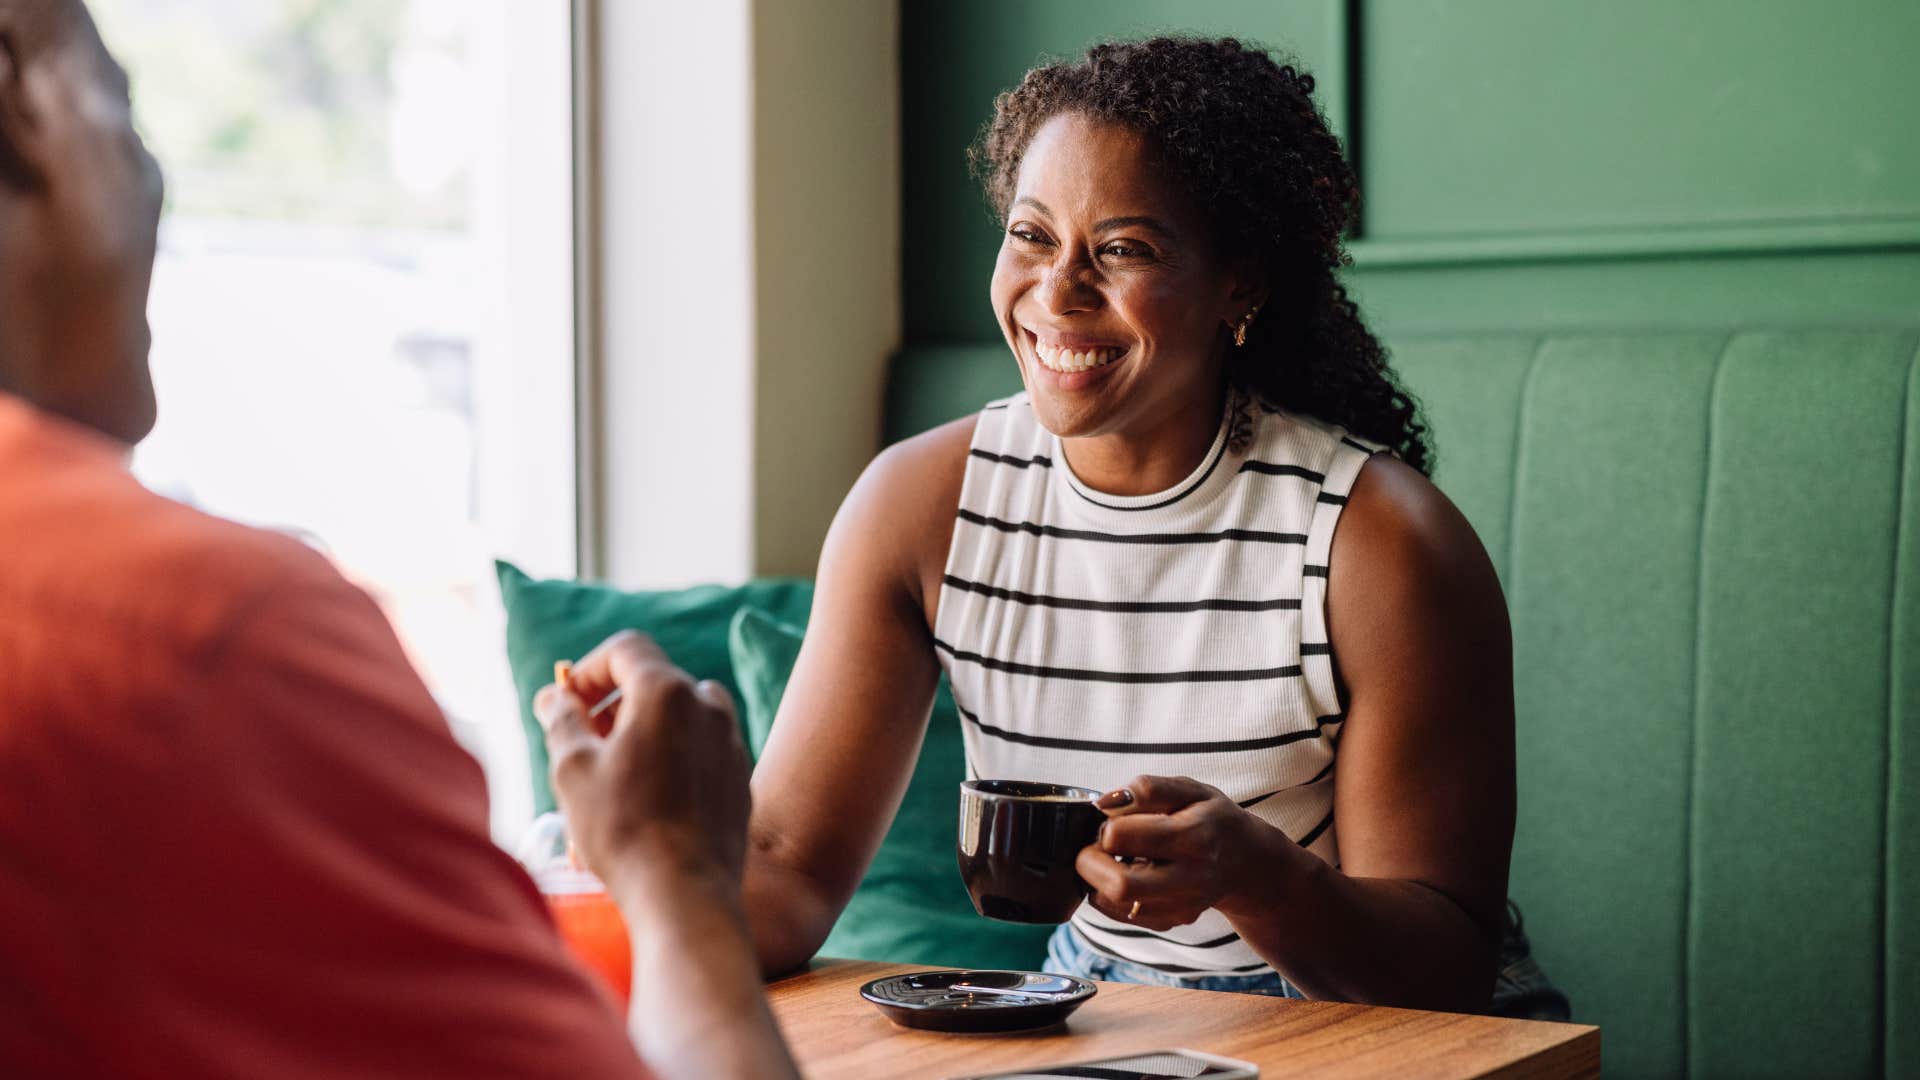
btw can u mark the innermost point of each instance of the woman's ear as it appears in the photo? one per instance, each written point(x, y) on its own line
point(1250, 287)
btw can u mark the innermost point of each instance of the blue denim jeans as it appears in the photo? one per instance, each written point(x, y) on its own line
point(1068, 953)
point(1521, 990)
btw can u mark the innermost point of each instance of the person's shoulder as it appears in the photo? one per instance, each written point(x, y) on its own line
point(897, 521)
point(1399, 531)
point(138, 597)
point(1394, 505)
point(928, 467)
point(207, 547)
point(184, 549)
point(85, 537)
point(916, 481)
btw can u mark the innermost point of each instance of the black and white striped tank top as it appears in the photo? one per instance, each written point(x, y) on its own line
point(1091, 638)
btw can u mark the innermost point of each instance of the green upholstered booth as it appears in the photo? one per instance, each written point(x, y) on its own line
point(1710, 545)
point(1708, 541)
point(1661, 301)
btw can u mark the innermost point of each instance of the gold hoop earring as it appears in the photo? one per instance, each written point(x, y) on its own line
point(1240, 328)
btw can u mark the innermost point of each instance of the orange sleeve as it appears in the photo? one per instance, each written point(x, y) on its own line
point(334, 905)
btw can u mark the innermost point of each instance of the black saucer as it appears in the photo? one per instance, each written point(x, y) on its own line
point(978, 1000)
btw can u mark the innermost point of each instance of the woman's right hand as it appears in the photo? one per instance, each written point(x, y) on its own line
point(664, 791)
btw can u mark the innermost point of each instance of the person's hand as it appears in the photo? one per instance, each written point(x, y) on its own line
point(657, 804)
point(1186, 848)
point(662, 789)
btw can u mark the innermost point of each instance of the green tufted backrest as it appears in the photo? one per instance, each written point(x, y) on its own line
point(1710, 544)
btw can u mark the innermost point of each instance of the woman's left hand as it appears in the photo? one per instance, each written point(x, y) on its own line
point(1187, 848)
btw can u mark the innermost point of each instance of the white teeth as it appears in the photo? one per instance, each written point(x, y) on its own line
point(1067, 360)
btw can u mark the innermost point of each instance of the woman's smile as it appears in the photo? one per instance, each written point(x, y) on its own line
point(1070, 362)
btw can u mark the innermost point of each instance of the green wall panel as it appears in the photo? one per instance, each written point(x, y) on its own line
point(1601, 581)
point(958, 54)
point(1503, 116)
point(1779, 289)
point(1903, 772)
point(1789, 796)
point(1470, 389)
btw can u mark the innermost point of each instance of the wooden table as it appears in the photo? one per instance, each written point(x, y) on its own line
point(834, 1033)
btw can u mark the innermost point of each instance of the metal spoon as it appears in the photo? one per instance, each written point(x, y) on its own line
point(1036, 995)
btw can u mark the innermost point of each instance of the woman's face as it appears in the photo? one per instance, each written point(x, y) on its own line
point(1107, 288)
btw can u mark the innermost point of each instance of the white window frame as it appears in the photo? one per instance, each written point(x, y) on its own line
point(527, 436)
point(739, 263)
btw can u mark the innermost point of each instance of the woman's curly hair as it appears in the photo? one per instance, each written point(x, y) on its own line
point(1240, 133)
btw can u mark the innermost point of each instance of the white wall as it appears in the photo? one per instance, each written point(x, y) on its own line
point(672, 400)
point(744, 232)
point(827, 270)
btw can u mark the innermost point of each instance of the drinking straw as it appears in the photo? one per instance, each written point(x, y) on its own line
point(563, 675)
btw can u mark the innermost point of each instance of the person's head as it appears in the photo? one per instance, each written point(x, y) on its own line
point(1160, 196)
point(79, 210)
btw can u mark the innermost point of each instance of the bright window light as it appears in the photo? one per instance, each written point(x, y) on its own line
point(363, 303)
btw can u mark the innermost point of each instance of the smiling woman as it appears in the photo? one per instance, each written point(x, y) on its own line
point(1196, 564)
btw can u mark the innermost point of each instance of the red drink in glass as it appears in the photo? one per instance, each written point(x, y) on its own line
point(593, 929)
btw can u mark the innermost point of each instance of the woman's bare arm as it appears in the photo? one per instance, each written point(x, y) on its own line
point(1424, 785)
point(849, 729)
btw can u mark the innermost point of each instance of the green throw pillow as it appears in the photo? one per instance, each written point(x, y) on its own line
point(911, 907)
point(562, 620)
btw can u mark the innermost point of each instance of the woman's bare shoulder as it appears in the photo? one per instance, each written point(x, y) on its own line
point(898, 519)
point(1396, 514)
point(931, 464)
point(1408, 571)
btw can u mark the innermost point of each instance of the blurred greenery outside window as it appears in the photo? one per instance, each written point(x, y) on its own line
point(337, 348)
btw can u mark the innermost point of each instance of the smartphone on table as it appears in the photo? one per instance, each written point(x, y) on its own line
point(1153, 1065)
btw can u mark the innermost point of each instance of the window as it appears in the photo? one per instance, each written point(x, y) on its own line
point(363, 303)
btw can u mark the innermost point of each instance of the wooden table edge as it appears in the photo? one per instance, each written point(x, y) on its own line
point(1576, 1054)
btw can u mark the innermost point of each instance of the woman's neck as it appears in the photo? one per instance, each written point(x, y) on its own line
point(1152, 459)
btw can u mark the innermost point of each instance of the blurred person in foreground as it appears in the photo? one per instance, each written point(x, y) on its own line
point(236, 835)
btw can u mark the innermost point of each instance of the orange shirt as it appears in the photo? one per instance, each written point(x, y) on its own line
point(236, 836)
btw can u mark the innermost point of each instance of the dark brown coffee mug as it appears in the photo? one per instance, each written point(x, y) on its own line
point(1018, 842)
